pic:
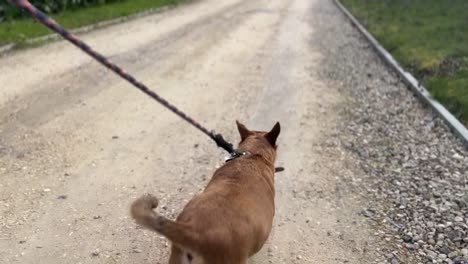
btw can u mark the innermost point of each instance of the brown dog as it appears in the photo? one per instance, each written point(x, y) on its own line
point(231, 220)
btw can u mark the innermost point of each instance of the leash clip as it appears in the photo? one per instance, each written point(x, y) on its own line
point(221, 142)
point(236, 154)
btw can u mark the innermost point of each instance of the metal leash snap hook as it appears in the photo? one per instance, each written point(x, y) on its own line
point(237, 153)
point(221, 142)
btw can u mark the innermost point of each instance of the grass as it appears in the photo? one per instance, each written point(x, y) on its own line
point(18, 31)
point(429, 38)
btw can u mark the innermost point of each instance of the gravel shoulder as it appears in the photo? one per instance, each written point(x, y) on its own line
point(414, 170)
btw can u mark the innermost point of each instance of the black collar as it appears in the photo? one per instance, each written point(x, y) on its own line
point(237, 153)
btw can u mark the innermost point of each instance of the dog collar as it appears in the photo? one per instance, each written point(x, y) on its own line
point(237, 154)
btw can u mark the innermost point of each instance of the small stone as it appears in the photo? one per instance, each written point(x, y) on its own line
point(407, 238)
point(136, 250)
point(270, 252)
point(453, 254)
point(442, 256)
point(431, 255)
point(412, 246)
point(455, 235)
point(62, 197)
point(444, 250)
point(299, 257)
point(115, 137)
point(95, 253)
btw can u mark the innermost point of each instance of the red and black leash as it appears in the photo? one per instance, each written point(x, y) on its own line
point(50, 23)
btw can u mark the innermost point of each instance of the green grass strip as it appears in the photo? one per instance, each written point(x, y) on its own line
point(18, 31)
point(429, 38)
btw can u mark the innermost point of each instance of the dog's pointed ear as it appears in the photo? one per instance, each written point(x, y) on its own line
point(273, 134)
point(243, 131)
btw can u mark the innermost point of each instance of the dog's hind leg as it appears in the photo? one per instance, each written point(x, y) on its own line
point(181, 256)
point(176, 256)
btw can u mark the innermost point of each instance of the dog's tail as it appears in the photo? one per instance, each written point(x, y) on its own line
point(178, 233)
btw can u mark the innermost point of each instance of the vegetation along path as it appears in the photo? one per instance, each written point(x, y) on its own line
point(428, 37)
point(16, 28)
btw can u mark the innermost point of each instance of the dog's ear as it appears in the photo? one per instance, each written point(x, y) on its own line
point(243, 131)
point(273, 134)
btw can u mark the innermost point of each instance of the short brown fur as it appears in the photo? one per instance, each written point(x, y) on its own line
point(232, 218)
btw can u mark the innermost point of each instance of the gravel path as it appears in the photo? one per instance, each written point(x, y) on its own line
point(414, 171)
point(371, 175)
point(78, 144)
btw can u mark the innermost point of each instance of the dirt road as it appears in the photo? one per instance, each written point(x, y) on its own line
point(77, 144)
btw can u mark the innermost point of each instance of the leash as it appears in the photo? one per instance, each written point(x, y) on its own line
point(53, 25)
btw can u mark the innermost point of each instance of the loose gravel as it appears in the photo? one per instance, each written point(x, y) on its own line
point(414, 170)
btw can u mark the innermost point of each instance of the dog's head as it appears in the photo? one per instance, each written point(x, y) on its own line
point(259, 142)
